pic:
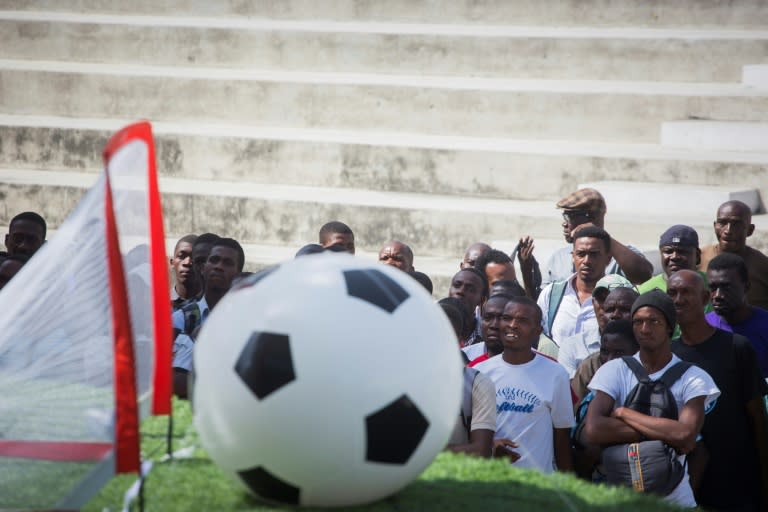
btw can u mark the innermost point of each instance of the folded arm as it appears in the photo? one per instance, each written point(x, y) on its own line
point(602, 429)
point(680, 434)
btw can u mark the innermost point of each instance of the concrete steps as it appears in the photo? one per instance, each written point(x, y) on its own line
point(440, 123)
point(290, 215)
point(756, 76)
point(640, 54)
point(400, 162)
point(716, 135)
point(621, 13)
point(557, 109)
point(673, 200)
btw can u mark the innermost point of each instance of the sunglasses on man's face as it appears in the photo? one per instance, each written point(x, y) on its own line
point(574, 216)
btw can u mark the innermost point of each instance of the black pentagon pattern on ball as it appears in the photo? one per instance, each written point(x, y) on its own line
point(265, 363)
point(394, 432)
point(268, 486)
point(375, 287)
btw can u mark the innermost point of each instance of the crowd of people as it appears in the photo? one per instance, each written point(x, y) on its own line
point(588, 363)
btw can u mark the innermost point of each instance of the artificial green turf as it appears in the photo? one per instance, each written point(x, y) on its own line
point(451, 483)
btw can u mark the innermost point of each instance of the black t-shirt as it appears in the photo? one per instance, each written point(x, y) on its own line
point(731, 477)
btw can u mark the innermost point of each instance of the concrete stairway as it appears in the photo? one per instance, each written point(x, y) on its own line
point(439, 123)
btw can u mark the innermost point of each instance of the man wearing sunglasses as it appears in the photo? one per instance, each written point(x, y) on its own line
point(26, 234)
point(586, 207)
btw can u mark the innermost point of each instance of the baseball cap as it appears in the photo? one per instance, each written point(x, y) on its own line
point(680, 235)
point(611, 282)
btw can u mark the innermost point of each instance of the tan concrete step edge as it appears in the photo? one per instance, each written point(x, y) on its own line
point(399, 139)
point(534, 12)
point(389, 28)
point(375, 79)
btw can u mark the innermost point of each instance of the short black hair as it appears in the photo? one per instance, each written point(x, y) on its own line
point(479, 274)
point(232, 244)
point(466, 314)
point(503, 295)
point(333, 227)
point(527, 302)
point(309, 249)
point(31, 217)
point(492, 256)
point(594, 232)
point(727, 261)
point(507, 287)
point(335, 248)
point(207, 238)
point(186, 239)
point(621, 328)
point(423, 280)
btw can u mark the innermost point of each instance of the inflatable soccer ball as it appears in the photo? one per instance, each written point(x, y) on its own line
point(327, 381)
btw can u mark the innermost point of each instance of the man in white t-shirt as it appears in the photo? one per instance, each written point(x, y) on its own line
point(609, 423)
point(533, 396)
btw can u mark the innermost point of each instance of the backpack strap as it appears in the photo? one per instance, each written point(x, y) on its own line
point(670, 376)
point(637, 369)
point(470, 374)
point(556, 294)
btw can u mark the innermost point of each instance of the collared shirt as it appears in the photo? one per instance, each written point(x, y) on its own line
point(184, 343)
point(571, 317)
point(178, 315)
point(576, 348)
point(176, 300)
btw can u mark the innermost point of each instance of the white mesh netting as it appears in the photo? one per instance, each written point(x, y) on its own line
point(57, 400)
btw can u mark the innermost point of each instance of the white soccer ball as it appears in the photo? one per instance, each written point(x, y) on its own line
point(327, 381)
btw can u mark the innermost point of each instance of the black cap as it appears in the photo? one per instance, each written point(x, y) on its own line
point(680, 235)
point(659, 300)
